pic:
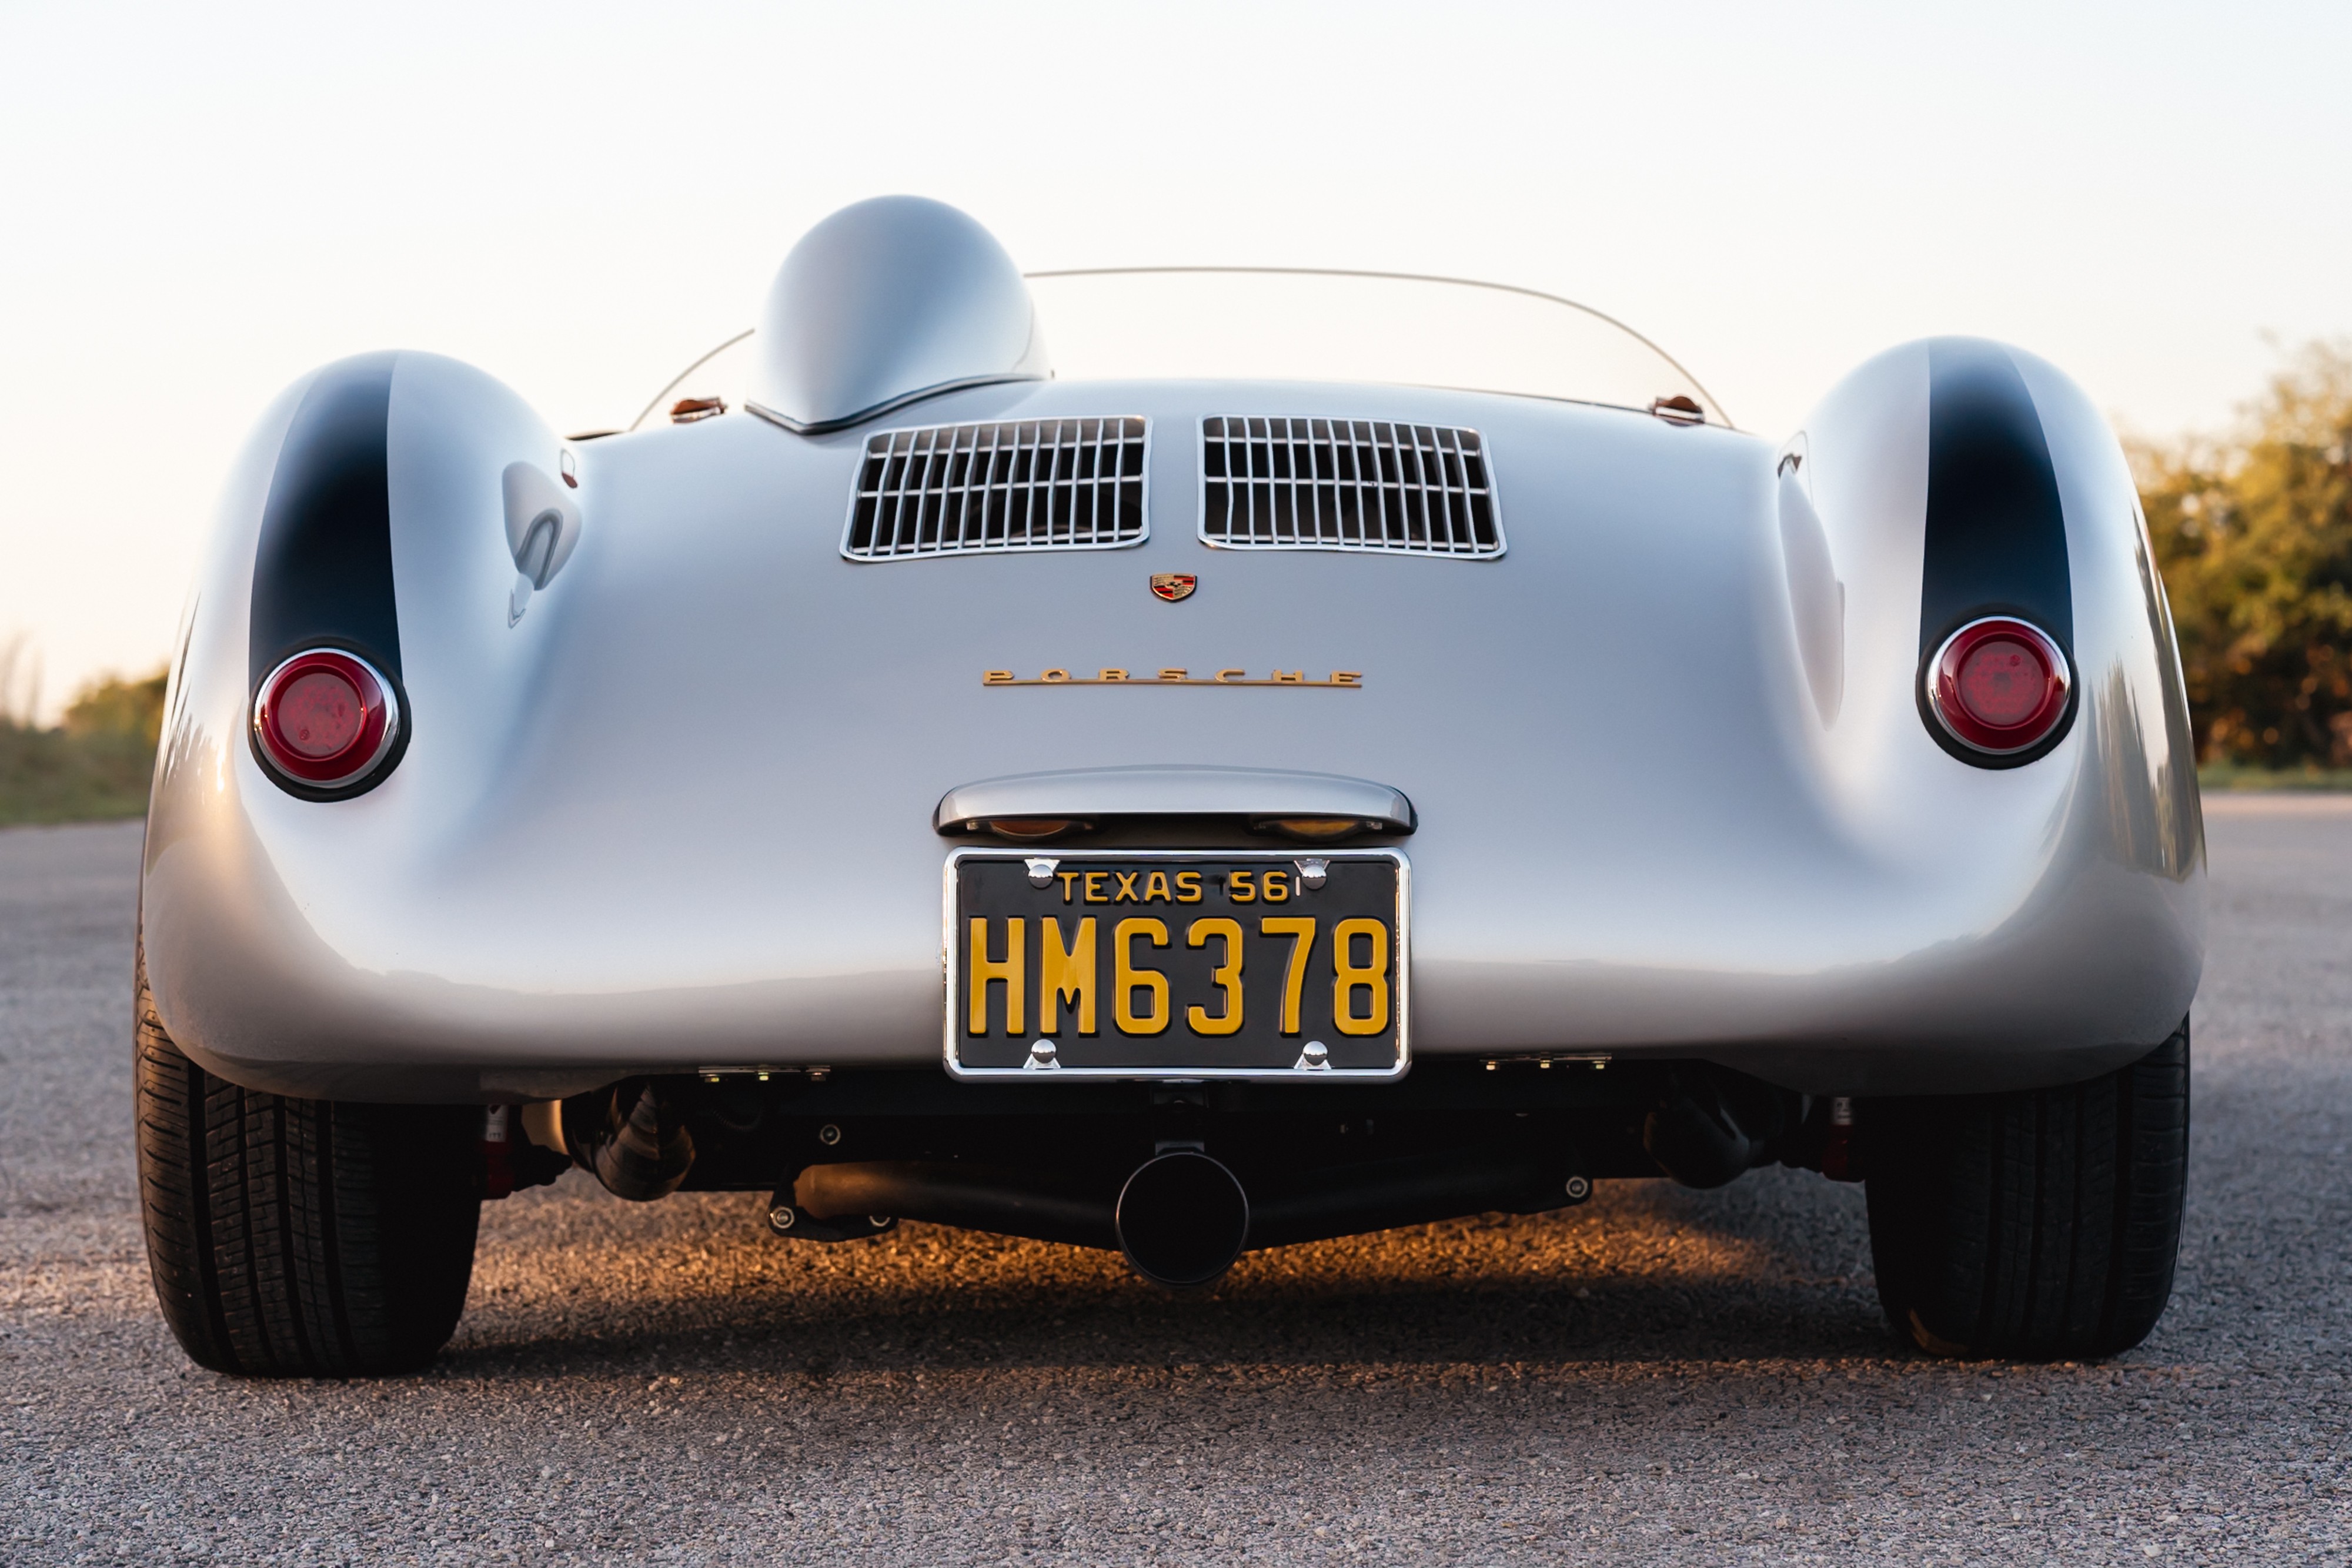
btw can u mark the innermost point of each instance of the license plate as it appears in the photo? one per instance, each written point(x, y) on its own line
point(1169, 964)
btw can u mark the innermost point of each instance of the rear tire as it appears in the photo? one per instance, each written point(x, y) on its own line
point(302, 1237)
point(2038, 1225)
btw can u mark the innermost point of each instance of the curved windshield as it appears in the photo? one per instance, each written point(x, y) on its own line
point(1284, 324)
point(1280, 324)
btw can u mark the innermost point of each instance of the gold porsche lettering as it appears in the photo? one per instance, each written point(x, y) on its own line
point(1232, 675)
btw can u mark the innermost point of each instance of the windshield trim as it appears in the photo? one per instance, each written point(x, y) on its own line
point(1712, 401)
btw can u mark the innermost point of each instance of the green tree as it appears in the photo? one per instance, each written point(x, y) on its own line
point(95, 764)
point(116, 706)
point(2254, 534)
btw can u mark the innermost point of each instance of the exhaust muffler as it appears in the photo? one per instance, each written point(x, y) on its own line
point(1715, 1125)
point(1182, 1218)
point(629, 1138)
point(952, 1192)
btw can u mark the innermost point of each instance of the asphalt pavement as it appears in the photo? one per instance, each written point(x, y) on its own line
point(1660, 1377)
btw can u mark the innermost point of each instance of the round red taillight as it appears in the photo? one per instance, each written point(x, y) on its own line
point(325, 718)
point(1997, 685)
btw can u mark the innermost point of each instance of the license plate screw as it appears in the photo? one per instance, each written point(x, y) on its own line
point(1312, 872)
point(1579, 1189)
point(1044, 1057)
point(828, 1134)
point(1041, 870)
point(1315, 1058)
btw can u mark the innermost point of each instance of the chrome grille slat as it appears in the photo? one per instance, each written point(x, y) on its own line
point(1273, 482)
point(1015, 484)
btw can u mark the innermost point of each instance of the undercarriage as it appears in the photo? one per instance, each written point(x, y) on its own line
point(1182, 1177)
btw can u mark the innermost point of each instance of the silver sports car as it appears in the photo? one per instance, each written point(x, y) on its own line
point(1181, 761)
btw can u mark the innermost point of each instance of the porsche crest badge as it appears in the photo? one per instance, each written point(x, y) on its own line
point(1172, 586)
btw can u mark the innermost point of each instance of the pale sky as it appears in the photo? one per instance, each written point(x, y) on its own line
point(199, 203)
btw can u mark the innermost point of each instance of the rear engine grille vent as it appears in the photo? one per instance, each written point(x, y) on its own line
point(1347, 483)
point(1032, 483)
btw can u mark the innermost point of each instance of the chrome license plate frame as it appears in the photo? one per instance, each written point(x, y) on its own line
point(1357, 885)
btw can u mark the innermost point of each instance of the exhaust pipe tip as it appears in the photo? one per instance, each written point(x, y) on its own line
point(1181, 1219)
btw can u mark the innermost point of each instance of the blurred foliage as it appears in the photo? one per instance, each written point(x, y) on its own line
point(2253, 533)
point(2236, 776)
point(95, 764)
point(119, 707)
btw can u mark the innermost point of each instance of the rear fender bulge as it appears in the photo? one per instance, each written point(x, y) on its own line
point(1956, 478)
point(1994, 536)
point(323, 565)
point(1816, 597)
point(488, 599)
point(367, 512)
point(322, 573)
point(2128, 664)
point(203, 760)
point(1994, 541)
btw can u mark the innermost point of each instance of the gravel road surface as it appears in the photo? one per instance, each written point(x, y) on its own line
point(1661, 1376)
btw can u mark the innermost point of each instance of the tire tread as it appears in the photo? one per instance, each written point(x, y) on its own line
point(2036, 1225)
point(299, 1238)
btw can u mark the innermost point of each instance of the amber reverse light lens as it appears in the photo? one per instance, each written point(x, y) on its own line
point(1311, 830)
point(1029, 829)
point(325, 718)
point(1997, 685)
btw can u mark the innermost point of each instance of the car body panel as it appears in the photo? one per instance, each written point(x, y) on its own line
point(1674, 794)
